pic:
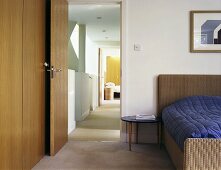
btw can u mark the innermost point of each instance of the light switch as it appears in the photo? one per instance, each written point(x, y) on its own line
point(137, 47)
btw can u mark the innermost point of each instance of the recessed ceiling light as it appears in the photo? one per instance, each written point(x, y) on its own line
point(99, 17)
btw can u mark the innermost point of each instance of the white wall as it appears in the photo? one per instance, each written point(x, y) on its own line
point(82, 94)
point(93, 92)
point(162, 29)
point(91, 64)
point(91, 60)
point(71, 101)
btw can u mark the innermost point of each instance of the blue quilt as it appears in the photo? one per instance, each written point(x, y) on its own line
point(193, 117)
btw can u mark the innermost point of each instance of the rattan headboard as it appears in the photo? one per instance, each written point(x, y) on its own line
point(174, 87)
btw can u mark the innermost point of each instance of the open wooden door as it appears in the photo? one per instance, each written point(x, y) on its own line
point(59, 76)
point(33, 82)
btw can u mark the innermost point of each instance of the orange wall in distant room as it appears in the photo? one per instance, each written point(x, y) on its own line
point(113, 69)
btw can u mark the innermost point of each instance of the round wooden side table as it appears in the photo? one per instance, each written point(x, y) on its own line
point(132, 119)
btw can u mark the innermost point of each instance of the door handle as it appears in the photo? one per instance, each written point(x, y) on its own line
point(51, 70)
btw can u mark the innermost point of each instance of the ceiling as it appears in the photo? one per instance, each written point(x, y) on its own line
point(102, 21)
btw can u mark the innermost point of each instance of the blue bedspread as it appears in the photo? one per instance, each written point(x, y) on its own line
point(193, 117)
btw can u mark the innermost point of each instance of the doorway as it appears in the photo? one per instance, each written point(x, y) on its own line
point(94, 72)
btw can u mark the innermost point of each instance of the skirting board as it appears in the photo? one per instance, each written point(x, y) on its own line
point(85, 114)
point(71, 127)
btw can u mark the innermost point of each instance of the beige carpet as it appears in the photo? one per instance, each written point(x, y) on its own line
point(101, 125)
point(78, 155)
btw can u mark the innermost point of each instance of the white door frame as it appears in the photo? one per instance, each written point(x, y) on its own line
point(122, 46)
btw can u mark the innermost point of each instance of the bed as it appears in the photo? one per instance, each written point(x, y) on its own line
point(193, 153)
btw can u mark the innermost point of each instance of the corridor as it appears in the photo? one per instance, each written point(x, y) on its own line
point(103, 124)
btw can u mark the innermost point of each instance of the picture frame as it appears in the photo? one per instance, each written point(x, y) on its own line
point(205, 31)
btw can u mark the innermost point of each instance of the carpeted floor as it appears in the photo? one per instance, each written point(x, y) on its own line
point(78, 155)
point(103, 124)
point(85, 151)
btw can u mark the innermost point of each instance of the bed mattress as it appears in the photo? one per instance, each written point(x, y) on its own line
point(193, 117)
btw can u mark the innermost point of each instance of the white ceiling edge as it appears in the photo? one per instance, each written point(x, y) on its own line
point(109, 47)
point(108, 43)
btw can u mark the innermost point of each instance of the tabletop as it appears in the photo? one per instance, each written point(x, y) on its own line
point(133, 119)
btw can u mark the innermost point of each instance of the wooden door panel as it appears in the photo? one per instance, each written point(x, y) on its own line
point(59, 84)
point(11, 84)
point(33, 81)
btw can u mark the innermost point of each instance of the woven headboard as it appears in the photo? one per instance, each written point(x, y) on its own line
point(175, 87)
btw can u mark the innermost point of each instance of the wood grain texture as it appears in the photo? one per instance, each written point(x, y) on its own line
point(59, 84)
point(33, 81)
point(174, 87)
point(108, 93)
point(11, 84)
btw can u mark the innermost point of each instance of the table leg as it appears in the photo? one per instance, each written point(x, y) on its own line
point(137, 126)
point(130, 135)
point(161, 133)
point(158, 133)
point(159, 137)
point(126, 133)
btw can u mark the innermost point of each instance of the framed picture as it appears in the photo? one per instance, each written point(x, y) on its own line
point(205, 31)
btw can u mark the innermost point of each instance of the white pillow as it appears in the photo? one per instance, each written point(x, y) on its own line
point(109, 84)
